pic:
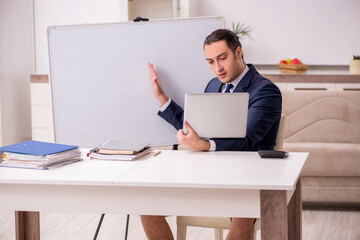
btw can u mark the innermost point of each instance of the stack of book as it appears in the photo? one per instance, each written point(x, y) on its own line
point(38, 155)
point(119, 150)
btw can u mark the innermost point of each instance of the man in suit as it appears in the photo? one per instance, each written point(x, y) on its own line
point(223, 52)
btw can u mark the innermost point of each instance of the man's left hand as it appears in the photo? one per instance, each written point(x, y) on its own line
point(192, 139)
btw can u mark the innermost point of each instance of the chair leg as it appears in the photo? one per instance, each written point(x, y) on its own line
point(257, 235)
point(181, 232)
point(99, 225)
point(218, 234)
point(257, 229)
point(127, 226)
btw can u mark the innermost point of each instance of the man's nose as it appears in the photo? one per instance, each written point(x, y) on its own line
point(218, 67)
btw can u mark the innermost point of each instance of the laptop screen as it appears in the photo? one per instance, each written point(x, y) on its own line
point(217, 115)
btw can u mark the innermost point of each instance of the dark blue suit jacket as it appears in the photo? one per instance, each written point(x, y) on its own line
point(263, 117)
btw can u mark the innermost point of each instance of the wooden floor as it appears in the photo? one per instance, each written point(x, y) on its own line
point(326, 225)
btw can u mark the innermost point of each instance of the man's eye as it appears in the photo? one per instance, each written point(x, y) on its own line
point(222, 58)
point(210, 62)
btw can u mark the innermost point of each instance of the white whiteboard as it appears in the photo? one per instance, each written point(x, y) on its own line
point(100, 81)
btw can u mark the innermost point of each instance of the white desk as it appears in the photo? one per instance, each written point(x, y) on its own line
point(236, 184)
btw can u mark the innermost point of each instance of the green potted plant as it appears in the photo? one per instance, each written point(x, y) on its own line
point(242, 30)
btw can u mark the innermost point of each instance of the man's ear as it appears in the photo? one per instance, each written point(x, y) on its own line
point(238, 52)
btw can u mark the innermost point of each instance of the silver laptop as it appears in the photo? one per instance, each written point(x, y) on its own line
point(217, 115)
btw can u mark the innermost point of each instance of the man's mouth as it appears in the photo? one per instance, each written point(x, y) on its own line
point(221, 75)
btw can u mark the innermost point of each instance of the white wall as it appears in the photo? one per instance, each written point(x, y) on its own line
point(68, 12)
point(322, 32)
point(16, 65)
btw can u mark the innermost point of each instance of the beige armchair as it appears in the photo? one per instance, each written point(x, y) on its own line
point(220, 223)
point(327, 125)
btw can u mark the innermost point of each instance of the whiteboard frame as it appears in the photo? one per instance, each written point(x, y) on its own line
point(218, 18)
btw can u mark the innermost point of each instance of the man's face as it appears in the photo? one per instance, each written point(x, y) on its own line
point(226, 65)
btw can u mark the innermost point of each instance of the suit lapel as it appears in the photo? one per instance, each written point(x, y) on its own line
point(215, 86)
point(245, 82)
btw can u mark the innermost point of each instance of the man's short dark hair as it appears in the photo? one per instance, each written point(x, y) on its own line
point(228, 36)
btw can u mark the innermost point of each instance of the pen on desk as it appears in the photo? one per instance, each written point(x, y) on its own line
point(91, 151)
point(96, 148)
point(157, 153)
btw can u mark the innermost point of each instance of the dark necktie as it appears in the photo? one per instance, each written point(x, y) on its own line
point(228, 87)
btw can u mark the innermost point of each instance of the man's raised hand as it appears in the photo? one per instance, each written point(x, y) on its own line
point(157, 89)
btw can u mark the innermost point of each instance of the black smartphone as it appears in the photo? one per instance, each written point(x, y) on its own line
point(272, 154)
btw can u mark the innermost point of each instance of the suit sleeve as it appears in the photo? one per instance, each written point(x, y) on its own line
point(174, 115)
point(263, 115)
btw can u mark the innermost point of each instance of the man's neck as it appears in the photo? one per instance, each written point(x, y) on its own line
point(242, 69)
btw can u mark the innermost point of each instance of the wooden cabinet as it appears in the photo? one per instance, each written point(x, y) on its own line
point(347, 86)
point(318, 86)
point(309, 86)
point(324, 82)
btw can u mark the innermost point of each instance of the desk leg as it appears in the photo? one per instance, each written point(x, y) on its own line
point(273, 214)
point(295, 214)
point(27, 225)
